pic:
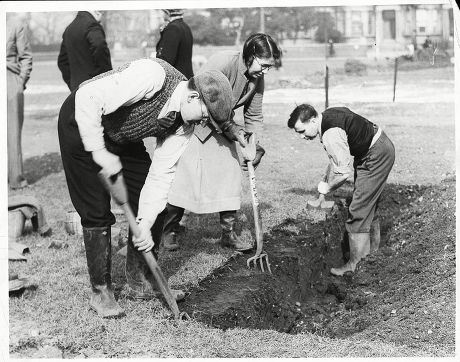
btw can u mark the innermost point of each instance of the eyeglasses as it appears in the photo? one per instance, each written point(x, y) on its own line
point(266, 67)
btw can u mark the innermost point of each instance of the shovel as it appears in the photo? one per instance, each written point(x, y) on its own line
point(321, 202)
point(115, 184)
point(249, 154)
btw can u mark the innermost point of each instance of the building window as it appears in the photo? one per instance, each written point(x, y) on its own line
point(389, 24)
point(428, 21)
point(356, 24)
point(451, 22)
point(371, 23)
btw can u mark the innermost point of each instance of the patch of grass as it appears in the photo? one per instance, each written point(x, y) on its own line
point(286, 179)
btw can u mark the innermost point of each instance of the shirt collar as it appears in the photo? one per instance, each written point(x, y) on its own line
point(172, 18)
point(174, 101)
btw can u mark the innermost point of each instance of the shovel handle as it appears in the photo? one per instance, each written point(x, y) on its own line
point(116, 186)
point(153, 265)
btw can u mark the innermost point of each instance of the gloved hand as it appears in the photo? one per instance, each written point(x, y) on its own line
point(323, 188)
point(235, 132)
point(109, 162)
point(144, 241)
point(259, 154)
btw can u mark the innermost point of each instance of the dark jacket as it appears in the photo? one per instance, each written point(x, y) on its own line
point(175, 46)
point(84, 52)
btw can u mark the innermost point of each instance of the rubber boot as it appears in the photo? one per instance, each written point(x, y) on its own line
point(140, 279)
point(345, 246)
point(375, 235)
point(359, 248)
point(229, 237)
point(172, 227)
point(99, 259)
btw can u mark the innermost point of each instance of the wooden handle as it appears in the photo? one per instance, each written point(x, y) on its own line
point(153, 264)
point(255, 208)
point(117, 187)
point(326, 175)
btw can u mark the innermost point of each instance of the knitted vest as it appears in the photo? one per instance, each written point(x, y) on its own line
point(358, 129)
point(140, 120)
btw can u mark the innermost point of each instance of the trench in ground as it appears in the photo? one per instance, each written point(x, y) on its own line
point(300, 294)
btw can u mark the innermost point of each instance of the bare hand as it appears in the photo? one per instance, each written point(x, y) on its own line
point(144, 241)
point(109, 162)
point(259, 153)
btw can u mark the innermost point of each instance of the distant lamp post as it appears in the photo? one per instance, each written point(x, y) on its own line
point(262, 20)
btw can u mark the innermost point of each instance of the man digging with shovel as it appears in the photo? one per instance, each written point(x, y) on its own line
point(344, 135)
point(101, 127)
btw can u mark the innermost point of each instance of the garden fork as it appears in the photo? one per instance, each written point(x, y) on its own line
point(248, 155)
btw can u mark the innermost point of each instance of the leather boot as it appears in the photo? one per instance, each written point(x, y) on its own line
point(359, 248)
point(99, 259)
point(375, 235)
point(229, 237)
point(141, 282)
point(172, 227)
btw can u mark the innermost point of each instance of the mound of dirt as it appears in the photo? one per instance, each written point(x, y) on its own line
point(404, 293)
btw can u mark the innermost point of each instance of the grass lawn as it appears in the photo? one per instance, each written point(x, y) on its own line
point(52, 318)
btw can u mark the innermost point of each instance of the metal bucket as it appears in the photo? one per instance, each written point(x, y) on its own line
point(72, 223)
point(16, 222)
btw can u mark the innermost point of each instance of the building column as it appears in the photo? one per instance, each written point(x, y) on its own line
point(445, 31)
point(378, 30)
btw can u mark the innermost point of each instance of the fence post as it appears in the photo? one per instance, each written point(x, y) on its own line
point(394, 80)
point(326, 87)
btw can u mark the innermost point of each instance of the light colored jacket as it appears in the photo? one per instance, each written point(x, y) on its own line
point(245, 92)
point(18, 53)
point(208, 176)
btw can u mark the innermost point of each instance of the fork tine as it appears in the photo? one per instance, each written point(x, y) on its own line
point(261, 264)
point(268, 264)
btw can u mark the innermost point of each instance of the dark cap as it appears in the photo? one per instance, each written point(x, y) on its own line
point(217, 94)
point(174, 12)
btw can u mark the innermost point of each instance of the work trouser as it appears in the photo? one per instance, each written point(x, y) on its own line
point(15, 121)
point(88, 195)
point(371, 174)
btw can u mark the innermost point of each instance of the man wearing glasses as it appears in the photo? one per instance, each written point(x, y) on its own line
point(208, 177)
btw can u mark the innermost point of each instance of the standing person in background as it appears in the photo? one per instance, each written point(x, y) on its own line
point(84, 52)
point(200, 185)
point(176, 42)
point(19, 66)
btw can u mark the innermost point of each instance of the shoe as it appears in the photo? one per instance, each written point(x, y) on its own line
point(21, 185)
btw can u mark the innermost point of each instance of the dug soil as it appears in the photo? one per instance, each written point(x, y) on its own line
point(404, 293)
